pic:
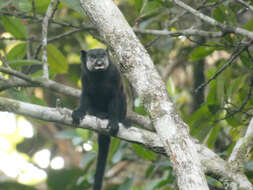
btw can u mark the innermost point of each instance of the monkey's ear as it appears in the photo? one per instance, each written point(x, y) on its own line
point(83, 52)
point(83, 56)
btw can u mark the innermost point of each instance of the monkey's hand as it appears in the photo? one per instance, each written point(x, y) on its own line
point(77, 115)
point(113, 127)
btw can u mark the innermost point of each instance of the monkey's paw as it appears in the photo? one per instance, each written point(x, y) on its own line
point(113, 128)
point(77, 115)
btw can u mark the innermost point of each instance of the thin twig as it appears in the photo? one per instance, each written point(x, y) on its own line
point(19, 39)
point(16, 74)
point(33, 8)
point(225, 28)
point(5, 64)
point(55, 8)
point(250, 56)
point(44, 38)
point(205, 44)
point(24, 16)
point(240, 109)
point(233, 57)
point(7, 84)
point(245, 101)
point(60, 36)
point(245, 4)
point(187, 32)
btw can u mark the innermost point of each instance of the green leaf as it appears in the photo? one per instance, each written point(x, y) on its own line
point(56, 60)
point(212, 99)
point(38, 101)
point(14, 26)
point(18, 95)
point(114, 148)
point(200, 122)
point(249, 25)
point(23, 5)
point(201, 52)
point(4, 3)
point(233, 121)
point(83, 133)
point(89, 156)
point(138, 5)
point(171, 87)
point(213, 136)
point(17, 52)
point(18, 63)
point(127, 184)
point(235, 86)
point(10, 185)
point(41, 6)
point(220, 86)
point(151, 6)
point(74, 4)
point(245, 60)
point(22, 96)
point(144, 153)
point(65, 179)
point(219, 13)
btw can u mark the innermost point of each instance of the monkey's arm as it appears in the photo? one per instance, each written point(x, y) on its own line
point(80, 112)
point(114, 111)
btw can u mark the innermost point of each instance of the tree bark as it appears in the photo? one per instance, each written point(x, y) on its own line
point(138, 67)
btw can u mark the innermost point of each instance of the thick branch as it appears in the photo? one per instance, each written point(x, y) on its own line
point(59, 88)
point(242, 147)
point(138, 67)
point(211, 162)
point(12, 83)
point(222, 169)
point(63, 116)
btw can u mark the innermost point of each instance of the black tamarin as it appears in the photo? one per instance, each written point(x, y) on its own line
point(102, 96)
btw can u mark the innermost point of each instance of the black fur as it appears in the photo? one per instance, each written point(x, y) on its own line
point(102, 96)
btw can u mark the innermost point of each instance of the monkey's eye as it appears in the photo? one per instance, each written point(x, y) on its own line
point(92, 57)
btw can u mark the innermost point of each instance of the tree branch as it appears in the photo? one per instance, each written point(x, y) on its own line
point(187, 32)
point(214, 164)
point(44, 38)
point(138, 67)
point(225, 28)
point(245, 4)
point(210, 161)
point(237, 52)
point(59, 88)
point(242, 147)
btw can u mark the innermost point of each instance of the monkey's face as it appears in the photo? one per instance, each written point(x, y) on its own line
point(97, 60)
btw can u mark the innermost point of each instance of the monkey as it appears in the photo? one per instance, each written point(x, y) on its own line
point(103, 96)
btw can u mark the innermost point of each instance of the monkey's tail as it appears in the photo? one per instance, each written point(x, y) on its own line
point(103, 149)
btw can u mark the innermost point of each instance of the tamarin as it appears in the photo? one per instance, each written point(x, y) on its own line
point(102, 96)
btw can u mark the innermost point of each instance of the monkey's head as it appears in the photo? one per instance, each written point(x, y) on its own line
point(95, 60)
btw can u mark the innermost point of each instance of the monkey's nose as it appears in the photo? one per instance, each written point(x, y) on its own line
point(99, 63)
